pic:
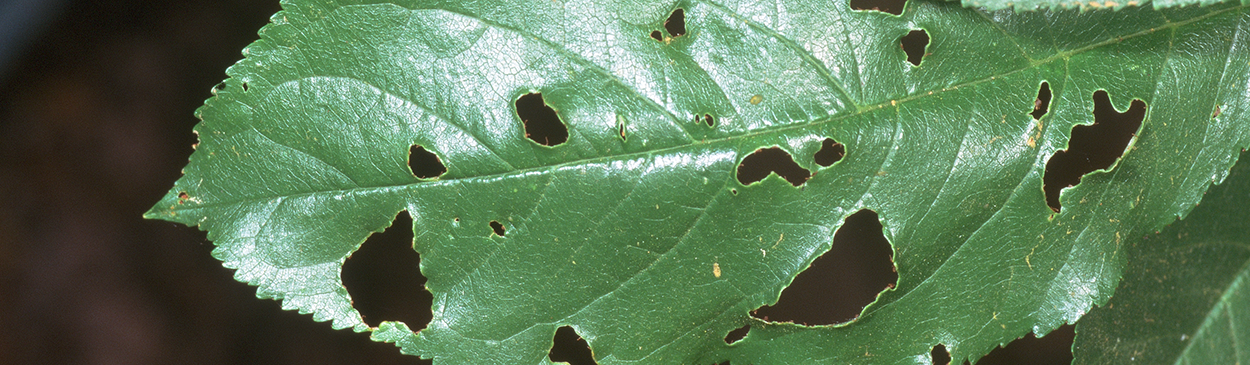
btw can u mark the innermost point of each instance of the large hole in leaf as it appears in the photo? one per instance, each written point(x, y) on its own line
point(737, 334)
point(425, 164)
point(676, 23)
point(830, 151)
point(542, 125)
point(1092, 147)
point(940, 355)
point(1053, 349)
point(569, 347)
point(889, 6)
point(839, 283)
point(759, 164)
point(1041, 105)
point(384, 278)
point(914, 44)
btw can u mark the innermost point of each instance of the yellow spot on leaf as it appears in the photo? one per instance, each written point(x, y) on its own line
point(716, 269)
point(757, 99)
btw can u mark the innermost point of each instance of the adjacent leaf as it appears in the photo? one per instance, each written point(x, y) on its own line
point(636, 232)
point(1184, 298)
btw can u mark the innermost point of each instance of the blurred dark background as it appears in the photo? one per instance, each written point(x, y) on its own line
point(95, 125)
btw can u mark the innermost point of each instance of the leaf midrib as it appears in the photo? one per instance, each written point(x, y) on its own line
point(896, 103)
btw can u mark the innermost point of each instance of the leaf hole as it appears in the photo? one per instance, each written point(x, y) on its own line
point(384, 278)
point(568, 346)
point(542, 125)
point(759, 164)
point(707, 118)
point(886, 6)
point(497, 227)
point(182, 197)
point(425, 164)
point(737, 334)
point(1216, 112)
point(245, 87)
point(830, 152)
point(940, 355)
point(676, 23)
point(657, 35)
point(1092, 147)
point(1054, 348)
point(914, 44)
point(842, 281)
point(1041, 105)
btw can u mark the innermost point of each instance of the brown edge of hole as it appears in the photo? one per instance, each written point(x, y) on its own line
point(676, 23)
point(737, 334)
point(425, 164)
point(497, 228)
point(756, 166)
point(940, 355)
point(830, 152)
point(569, 346)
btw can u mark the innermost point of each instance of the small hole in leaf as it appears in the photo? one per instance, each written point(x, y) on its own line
point(542, 125)
point(657, 35)
point(888, 6)
point(841, 282)
point(245, 86)
point(1053, 349)
point(1092, 147)
point(622, 131)
point(497, 227)
point(733, 191)
point(571, 348)
point(182, 196)
point(759, 164)
point(425, 164)
point(737, 334)
point(676, 23)
point(707, 118)
point(940, 355)
point(1041, 105)
point(384, 278)
point(1215, 113)
point(830, 152)
point(914, 44)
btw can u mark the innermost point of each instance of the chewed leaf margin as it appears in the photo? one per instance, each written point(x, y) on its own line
point(296, 260)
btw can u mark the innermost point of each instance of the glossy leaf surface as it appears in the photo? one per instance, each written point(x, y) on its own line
point(1185, 298)
point(636, 231)
point(1098, 5)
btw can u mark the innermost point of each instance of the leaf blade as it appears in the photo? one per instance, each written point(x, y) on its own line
point(495, 174)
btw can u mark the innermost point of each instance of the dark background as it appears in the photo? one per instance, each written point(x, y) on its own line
point(95, 125)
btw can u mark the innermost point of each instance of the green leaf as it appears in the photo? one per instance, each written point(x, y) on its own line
point(648, 245)
point(1087, 5)
point(1184, 298)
